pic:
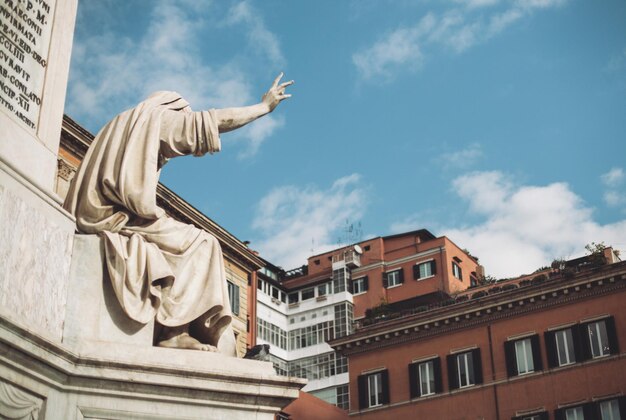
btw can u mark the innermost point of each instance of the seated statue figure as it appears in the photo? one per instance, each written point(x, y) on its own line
point(159, 267)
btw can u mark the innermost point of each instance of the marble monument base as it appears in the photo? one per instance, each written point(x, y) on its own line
point(42, 379)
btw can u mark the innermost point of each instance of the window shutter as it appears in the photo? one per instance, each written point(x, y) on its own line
point(236, 300)
point(460, 273)
point(416, 272)
point(478, 366)
point(401, 275)
point(589, 410)
point(622, 405)
point(559, 414)
point(611, 333)
point(453, 378)
point(363, 397)
point(437, 373)
point(366, 285)
point(433, 267)
point(582, 347)
point(349, 286)
point(385, 377)
point(549, 339)
point(511, 360)
point(534, 343)
point(414, 380)
point(385, 282)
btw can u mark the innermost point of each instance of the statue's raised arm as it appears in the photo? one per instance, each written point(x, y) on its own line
point(159, 267)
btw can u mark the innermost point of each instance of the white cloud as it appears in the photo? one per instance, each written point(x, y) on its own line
point(260, 37)
point(461, 159)
point(613, 178)
point(291, 219)
point(525, 227)
point(457, 29)
point(111, 73)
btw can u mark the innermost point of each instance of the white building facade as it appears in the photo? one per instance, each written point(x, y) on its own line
point(297, 321)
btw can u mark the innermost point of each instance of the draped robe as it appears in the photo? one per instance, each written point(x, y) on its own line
point(158, 266)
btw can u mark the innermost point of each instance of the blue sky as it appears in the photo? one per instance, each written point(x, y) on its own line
point(501, 124)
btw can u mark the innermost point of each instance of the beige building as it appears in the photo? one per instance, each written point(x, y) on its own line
point(239, 261)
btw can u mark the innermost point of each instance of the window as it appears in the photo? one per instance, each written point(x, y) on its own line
point(456, 271)
point(322, 289)
point(425, 378)
point(283, 297)
point(308, 294)
point(560, 346)
point(373, 389)
point(610, 410)
point(360, 285)
point(598, 339)
point(535, 416)
point(233, 296)
point(393, 278)
point(523, 356)
point(424, 270)
point(465, 369)
point(275, 293)
point(581, 342)
point(294, 297)
point(574, 413)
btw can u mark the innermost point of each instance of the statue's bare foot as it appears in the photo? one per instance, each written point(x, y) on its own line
point(185, 341)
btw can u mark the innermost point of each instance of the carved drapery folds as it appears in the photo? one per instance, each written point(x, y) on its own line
point(17, 404)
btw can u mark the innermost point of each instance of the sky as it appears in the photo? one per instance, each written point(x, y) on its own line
point(500, 124)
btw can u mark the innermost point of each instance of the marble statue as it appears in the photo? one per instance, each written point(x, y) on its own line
point(159, 267)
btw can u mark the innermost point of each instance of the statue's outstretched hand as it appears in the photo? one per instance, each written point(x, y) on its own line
point(276, 93)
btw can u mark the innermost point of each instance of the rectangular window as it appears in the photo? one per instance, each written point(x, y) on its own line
point(375, 389)
point(565, 347)
point(233, 295)
point(524, 356)
point(598, 339)
point(609, 410)
point(424, 270)
point(456, 271)
point(322, 289)
point(465, 369)
point(426, 374)
point(275, 292)
point(574, 413)
point(283, 297)
point(294, 297)
point(308, 294)
point(394, 278)
point(360, 285)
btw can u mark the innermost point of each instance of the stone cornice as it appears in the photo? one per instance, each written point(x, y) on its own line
point(77, 140)
point(607, 279)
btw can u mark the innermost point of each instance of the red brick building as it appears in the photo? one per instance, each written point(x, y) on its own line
point(546, 347)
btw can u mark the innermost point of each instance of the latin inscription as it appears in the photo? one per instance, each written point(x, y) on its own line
point(25, 28)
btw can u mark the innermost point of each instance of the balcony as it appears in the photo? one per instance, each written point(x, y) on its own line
point(349, 257)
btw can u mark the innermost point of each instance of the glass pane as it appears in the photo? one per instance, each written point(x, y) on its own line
point(524, 356)
point(565, 347)
point(575, 413)
point(609, 410)
point(598, 339)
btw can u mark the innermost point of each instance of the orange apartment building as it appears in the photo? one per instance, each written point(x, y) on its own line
point(546, 346)
point(298, 311)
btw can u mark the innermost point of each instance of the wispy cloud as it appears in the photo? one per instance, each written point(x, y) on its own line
point(524, 227)
point(111, 72)
point(461, 159)
point(292, 219)
point(456, 29)
point(613, 181)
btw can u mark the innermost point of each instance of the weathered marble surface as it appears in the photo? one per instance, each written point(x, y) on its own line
point(35, 253)
point(106, 381)
point(93, 311)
